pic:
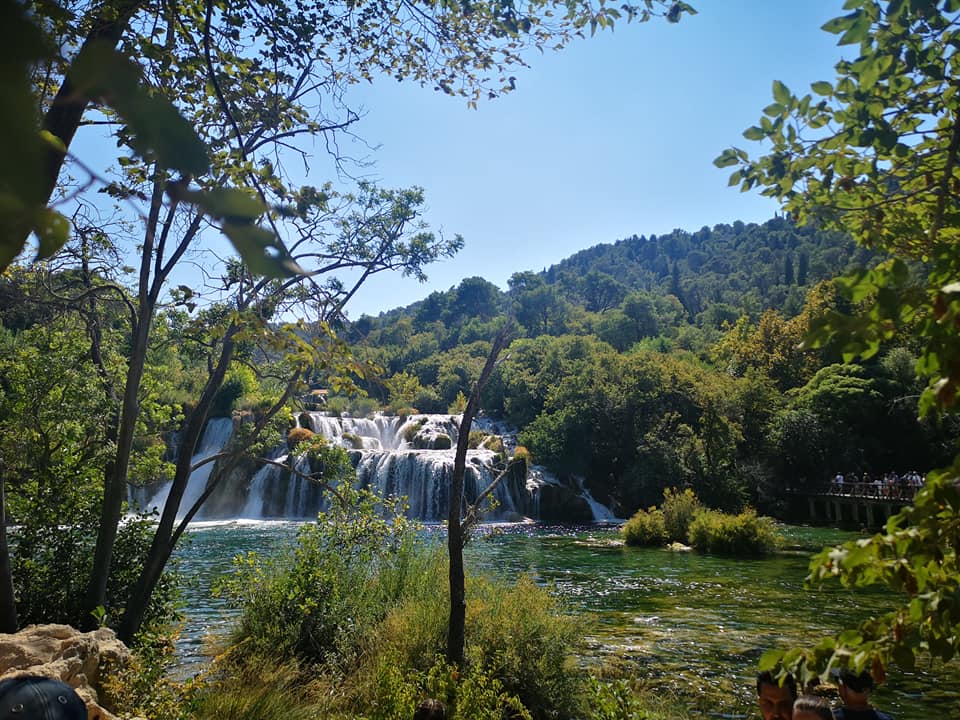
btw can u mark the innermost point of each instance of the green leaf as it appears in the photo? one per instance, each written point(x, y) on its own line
point(753, 133)
point(822, 87)
point(769, 660)
point(261, 251)
point(99, 71)
point(53, 231)
point(781, 93)
point(727, 158)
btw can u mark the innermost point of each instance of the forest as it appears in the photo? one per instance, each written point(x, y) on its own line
point(673, 361)
point(732, 364)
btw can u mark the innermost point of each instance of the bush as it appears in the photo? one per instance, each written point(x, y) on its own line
point(744, 534)
point(297, 436)
point(361, 603)
point(522, 453)
point(51, 563)
point(314, 601)
point(679, 509)
point(646, 527)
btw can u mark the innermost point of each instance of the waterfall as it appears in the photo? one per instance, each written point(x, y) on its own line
point(412, 457)
point(214, 439)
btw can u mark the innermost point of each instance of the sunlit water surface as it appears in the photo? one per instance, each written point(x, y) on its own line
point(688, 624)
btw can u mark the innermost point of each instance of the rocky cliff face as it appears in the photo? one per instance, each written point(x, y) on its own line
point(81, 660)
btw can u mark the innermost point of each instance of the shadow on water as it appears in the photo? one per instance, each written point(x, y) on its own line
point(689, 624)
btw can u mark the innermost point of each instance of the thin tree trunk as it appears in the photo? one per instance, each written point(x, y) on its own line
point(162, 545)
point(456, 629)
point(116, 472)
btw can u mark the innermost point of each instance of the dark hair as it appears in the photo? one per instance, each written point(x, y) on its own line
point(859, 683)
point(430, 709)
point(814, 704)
point(767, 678)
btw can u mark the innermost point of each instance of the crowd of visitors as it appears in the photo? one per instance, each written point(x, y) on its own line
point(781, 701)
point(889, 485)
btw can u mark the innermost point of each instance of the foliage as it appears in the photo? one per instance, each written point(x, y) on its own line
point(874, 154)
point(313, 602)
point(357, 603)
point(646, 527)
point(740, 535)
point(51, 561)
point(297, 436)
point(617, 700)
point(679, 508)
point(144, 687)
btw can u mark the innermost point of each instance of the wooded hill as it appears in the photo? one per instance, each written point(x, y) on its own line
point(667, 361)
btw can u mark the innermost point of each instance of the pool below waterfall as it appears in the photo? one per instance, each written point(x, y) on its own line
point(685, 623)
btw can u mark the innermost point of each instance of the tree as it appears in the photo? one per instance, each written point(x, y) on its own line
point(876, 156)
point(207, 103)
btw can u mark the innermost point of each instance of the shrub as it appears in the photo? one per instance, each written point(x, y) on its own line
point(362, 604)
point(411, 430)
point(679, 508)
point(52, 560)
point(314, 601)
point(459, 404)
point(646, 527)
point(442, 442)
point(356, 442)
point(476, 439)
point(522, 453)
point(744, 534)
point(297, 436)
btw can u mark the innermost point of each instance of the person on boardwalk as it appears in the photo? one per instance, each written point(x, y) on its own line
point(776, 700)
point(855, 695)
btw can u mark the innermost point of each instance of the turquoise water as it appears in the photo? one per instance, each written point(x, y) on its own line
point(682, 623)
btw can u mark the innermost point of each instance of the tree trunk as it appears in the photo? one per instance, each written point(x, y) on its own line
point(8, 606)
point(163, 544)
point(116, 472)
point(456, 629)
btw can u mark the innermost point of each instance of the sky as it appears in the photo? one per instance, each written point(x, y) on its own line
point(611, 137)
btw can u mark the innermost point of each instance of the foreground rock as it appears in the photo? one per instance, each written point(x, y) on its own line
point(81, 660)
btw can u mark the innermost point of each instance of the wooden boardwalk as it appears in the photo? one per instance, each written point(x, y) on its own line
point(859, 505)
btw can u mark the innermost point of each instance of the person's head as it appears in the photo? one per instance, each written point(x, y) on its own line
point(811, 707)
point(39, 698)
point(854, 688)
point(776, 700)
point(430, 709)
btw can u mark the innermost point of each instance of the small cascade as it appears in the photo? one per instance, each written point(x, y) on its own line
point(214, 439)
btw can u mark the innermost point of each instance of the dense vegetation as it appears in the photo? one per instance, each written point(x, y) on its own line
point(672, 361)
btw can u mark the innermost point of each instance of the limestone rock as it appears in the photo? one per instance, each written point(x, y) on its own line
point(81, 660)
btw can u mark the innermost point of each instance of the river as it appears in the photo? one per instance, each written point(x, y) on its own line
point(685, 623)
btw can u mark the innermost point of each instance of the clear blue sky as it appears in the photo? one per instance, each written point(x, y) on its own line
point(613, 136)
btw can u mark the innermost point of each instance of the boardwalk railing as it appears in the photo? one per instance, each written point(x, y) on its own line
point(880, 491)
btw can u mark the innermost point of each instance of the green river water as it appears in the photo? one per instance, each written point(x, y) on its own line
point(686, 624)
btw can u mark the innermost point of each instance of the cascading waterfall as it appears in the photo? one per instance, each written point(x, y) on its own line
point(412, 457)
point(214, 439)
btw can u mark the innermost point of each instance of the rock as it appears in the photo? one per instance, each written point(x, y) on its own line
point(561, 504)
point(81, 660)
point(679, 547)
